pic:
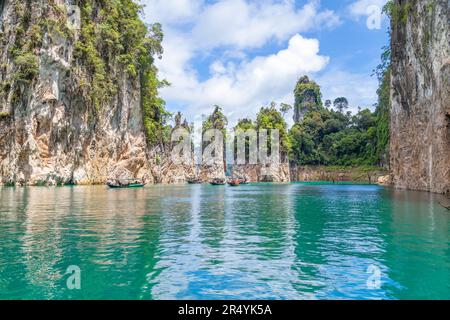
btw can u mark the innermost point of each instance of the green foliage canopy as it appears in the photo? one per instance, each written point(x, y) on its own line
point(270, 118)
point(114, 40)
point(307, 96)
point(331, 137)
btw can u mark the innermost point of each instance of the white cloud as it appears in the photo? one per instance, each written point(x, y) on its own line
point(172, 11)
point(239, 23)
point(242, 89)
point(246, 24)
point(359, 89)
point(195, 29)
point(360, 7)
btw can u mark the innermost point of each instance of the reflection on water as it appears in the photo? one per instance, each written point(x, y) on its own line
point(297, 241)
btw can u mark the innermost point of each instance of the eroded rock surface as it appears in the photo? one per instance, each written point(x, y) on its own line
point(49, 134)
point(256, 173)
point(420, 114)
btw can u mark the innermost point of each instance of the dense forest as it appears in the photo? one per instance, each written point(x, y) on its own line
point(327, 133)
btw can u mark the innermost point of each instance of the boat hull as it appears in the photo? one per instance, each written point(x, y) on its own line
point(130, 186)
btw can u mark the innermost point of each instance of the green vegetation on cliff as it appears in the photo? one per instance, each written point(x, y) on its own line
point(271, 118)
point(383, 109)
point(29, 37)
point(323, 136)
point(307, 97)
point(114, 48)
point(216, 120)
point(399, 12)
point(268, 118)
point(113, 40)
point(383, 106)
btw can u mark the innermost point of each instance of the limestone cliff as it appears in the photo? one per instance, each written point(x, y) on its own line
point(71, 94)
point(255, 173)
point(420, 94)
point(339, 174)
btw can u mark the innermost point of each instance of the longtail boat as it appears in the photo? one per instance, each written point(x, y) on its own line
point(234, 183)
point(218, 182)
point(243, 181)
point(194, 181)
point(125, 184)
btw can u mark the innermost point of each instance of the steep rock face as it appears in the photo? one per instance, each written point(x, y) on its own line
point(170, 173)
point(420, 112)
point(307, 97)
point(331, 174)
point(276, 173)
point(254, 173)
point(212, 171)
point(49, 133)
point(249, 172)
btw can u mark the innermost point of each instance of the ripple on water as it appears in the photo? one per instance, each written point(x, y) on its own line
point(294, 241)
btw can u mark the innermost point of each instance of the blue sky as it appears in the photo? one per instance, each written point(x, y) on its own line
point(242, 54)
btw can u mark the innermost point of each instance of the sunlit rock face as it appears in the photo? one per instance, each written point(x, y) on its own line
point(344, 174)
point(248, 172)
point(209, 172)
point(420, 93)
point(259, 173)
point(48, 133)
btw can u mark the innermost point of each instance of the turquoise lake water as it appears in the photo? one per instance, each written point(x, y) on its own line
point(294, 241)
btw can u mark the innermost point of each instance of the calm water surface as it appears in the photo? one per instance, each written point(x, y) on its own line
point(295, 241)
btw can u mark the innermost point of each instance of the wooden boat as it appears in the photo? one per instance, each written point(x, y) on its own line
point(234, 183)
point(125, 184)
point(445, 203)
point(218, 182)
point(243, 181)
point(194, 181)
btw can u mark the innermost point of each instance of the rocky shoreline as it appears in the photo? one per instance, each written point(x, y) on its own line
point(178, 174)
point(340, 174)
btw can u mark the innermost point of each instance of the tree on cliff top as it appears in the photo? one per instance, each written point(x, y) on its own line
point(216, 120)
point(270, 118)
point(285, 108)
point(180, 123)
point(244, 125)
point(340, 104)
point(114, 40)
point(307, 96)
point(325, 136)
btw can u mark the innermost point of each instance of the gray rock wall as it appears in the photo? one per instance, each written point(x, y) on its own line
point(420, 114)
